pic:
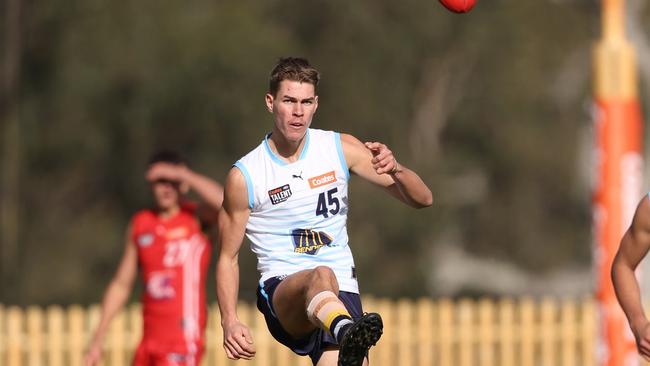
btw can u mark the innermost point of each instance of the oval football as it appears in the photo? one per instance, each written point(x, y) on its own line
point(458, 6)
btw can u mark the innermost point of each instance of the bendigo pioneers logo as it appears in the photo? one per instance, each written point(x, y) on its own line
point(309, 241)
point(280, 194)
point(323, 179)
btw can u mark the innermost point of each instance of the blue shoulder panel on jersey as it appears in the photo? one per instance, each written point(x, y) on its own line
point(339, 148)
point(249, 182)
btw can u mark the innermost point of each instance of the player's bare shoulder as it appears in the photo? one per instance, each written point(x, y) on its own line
point(641, 220)
point(236, 194)
point(349, 141)
point(354, 150)
point(235, 177)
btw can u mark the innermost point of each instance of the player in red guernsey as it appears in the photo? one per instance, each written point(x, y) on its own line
point(168, 247)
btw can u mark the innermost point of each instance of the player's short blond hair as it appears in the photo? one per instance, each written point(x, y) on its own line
point(293, 69)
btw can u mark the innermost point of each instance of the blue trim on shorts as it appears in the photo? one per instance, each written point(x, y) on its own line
point(249, 182)
point(268, 301)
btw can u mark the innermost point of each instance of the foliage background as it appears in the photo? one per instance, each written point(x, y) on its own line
point(492, 108)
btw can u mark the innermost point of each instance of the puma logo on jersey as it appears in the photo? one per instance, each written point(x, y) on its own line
point(280, 194)
point(323, 179)
point(297, 175)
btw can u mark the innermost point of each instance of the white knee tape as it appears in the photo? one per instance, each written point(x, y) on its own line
point(315, 304)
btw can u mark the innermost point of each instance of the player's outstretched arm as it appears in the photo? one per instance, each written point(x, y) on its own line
point(115, 296)
point(209, 191)
point(376, 163)
point(634, 246)
point(237, 339)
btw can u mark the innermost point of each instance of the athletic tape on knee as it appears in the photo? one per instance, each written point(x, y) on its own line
point(318, 302)
point(325, 308)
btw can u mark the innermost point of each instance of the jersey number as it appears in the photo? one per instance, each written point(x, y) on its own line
point(323, 206)
point(176, 252)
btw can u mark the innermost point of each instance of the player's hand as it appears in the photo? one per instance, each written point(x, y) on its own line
point(166, 172)
point(237, 341)
point(93, 355)
point(642, 336)
point(383, 160)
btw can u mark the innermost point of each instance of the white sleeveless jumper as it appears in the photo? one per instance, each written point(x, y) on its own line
point(299, 210)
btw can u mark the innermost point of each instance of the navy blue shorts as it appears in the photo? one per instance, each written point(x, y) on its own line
point(313, 344)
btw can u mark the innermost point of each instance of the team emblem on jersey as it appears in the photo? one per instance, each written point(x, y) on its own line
point(145, 240)
point(280, 194)
point(308, 241)
point(159, 285)
point(322, 180)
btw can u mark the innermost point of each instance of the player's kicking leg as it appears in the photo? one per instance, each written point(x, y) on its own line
point(317, 289)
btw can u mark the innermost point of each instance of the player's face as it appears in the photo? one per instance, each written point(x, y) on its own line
point(166, 193)
point(293, 107)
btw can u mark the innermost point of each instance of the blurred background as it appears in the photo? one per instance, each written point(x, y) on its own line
point(492, 108)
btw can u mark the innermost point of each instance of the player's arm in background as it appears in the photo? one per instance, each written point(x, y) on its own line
point(375, 162)
point(209, 191)
point(115, 296)
point(634, 246)
point(237, 340)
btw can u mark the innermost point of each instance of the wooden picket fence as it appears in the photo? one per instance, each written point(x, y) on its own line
point(505, 332)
